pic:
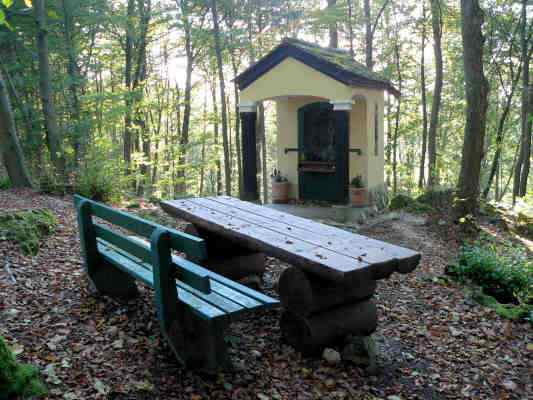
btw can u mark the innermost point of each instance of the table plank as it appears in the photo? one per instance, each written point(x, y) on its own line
point(315, 259)
point(343, 242)
point(329, 252)
point(340, 239)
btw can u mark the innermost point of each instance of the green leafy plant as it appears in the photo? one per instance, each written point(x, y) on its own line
point(5, 183)
point(101, 178)
point(402, 201)
point(28, 228)
point(357, 182)
point(506, 278)
point(17, 380)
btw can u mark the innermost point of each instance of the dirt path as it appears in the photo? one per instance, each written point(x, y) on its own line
point(435, 343)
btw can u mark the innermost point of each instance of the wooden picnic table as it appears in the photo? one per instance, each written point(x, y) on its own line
point(325, 251)
point(327, 292)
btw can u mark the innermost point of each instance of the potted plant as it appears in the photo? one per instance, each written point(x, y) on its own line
point(358, 193)
point(280, 187)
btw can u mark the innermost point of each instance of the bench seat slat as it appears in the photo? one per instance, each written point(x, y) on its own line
point(185, 293)
point(236, 292)
point(141, 250)
point(223, 297)
point(227, 297)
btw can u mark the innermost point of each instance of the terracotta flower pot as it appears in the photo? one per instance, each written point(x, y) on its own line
point(358, 197)
point(280, 192)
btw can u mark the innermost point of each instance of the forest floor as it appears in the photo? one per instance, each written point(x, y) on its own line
point(434, 341)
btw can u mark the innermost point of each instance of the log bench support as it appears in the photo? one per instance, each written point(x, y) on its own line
point(228, 258)
point(319, 314)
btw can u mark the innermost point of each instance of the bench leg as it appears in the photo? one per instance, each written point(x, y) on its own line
point(106, 278)
point(111, 281)
point(206, 348)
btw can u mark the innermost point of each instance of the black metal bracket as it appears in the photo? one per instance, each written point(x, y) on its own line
point(358, 151)
point(297, 150)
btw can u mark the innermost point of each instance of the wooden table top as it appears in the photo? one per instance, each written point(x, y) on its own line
point(331, 253)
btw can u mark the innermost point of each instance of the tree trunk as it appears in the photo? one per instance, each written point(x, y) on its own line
point(80, 133)
point(333, 31)
point(521, 172)
point(397, 120)
point(350, 28)
point(128, 72)
point(223, 108)
point(500, 134)
point(237, 124)
point(476, 90)
point(368, 36)
point(53, 137)
point(218, 167)
point(422, 178)
point(436, 22)
point(11, 152)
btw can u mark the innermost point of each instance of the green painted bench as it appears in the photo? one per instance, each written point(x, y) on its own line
point(194, 305)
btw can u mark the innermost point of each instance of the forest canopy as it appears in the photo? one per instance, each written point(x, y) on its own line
point(138, 96)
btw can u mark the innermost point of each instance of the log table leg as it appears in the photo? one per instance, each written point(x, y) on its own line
point(319, 314)
point(228, 258)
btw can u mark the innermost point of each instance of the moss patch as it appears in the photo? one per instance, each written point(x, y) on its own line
point(27, 227)
point(17, 379)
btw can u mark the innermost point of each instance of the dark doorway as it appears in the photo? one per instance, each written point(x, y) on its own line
point(323, 162)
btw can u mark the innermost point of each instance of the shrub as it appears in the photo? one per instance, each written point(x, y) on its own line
point(28, 228)
point(5, 183)
point(101, 178)
point(17, 379)
point(508, 278)
point(402, 201)
point(437, 198)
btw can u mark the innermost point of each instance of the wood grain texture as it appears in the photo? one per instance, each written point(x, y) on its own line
point(328, 252)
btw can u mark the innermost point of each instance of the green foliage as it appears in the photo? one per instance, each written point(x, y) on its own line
point(437, 198)
point(28, 228)
point(402, 201)
point(5, 183)
point(357, 182)
point(507, 277)
point(101, 178)
point(17, 379)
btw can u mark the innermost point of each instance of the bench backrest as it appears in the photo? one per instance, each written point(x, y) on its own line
point(174, 240)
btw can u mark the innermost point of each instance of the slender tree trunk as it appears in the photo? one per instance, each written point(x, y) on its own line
point(495, 167)
point(80, 133)
point(476, 90)
point(350, 28)
point(215, 138)
point(333, 31)
point(10, 150)
point(53, 136)
point(436, 22)
point(237, 123)
point(128, 72)
point(142, 138)
point(397, 121)
point(369, 45)
point(521, 172)
point(223, 107)
point(421, 178)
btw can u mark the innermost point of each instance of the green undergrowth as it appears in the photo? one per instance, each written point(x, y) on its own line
point(503, 273)
point(407, 203)
point(17, 380)
point(28, 228)
point(5, 183)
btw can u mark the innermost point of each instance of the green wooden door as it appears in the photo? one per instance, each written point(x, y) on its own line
point(323, 161)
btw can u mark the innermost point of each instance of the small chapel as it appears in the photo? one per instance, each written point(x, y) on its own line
point(330, 121)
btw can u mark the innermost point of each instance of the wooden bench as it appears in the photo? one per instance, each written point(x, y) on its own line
point(194, 305)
